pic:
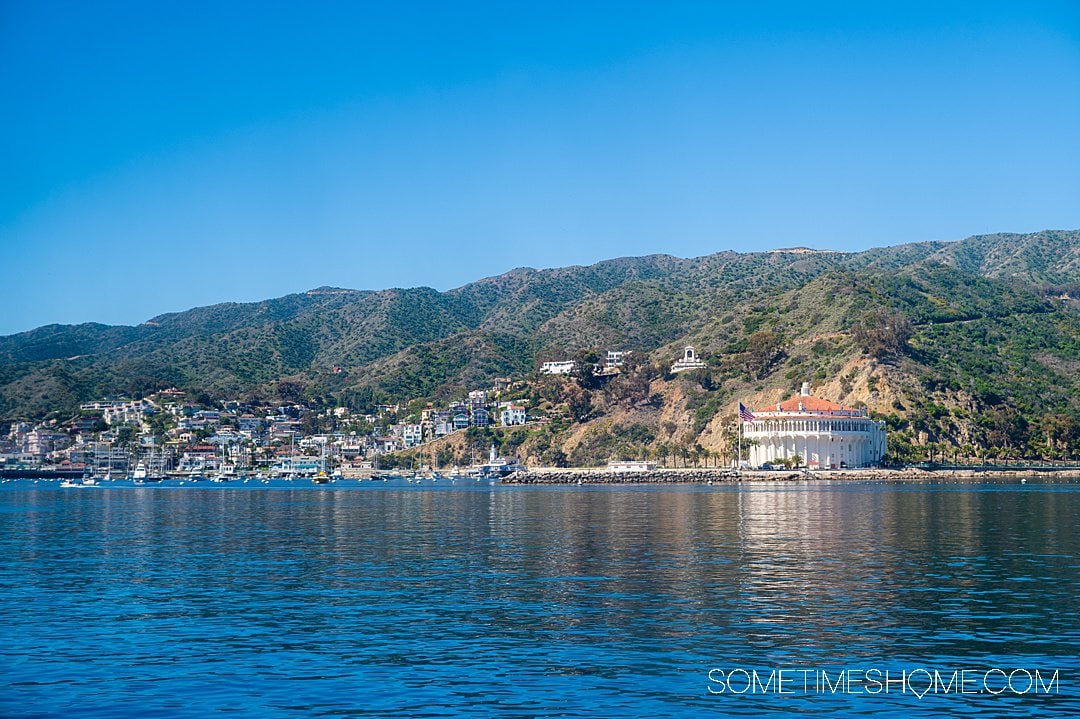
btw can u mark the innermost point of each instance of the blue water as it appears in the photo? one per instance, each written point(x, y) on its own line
point(398, 600)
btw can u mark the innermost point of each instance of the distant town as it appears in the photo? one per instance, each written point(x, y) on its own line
point(169, 433)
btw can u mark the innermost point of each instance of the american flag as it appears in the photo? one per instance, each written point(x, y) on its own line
point(744, 414)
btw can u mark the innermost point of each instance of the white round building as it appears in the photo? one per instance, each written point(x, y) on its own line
point(825, 435)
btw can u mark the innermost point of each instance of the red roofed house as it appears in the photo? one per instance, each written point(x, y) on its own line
point(825, 435)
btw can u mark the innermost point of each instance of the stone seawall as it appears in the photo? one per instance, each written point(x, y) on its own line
point(656, 476)
point(705, 476)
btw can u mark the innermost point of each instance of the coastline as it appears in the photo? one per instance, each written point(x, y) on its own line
point(705, 476)
point(603, 476)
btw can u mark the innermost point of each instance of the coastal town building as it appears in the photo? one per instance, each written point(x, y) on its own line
point(125, 412)
point(84, 424)
point(40, 442)
point(411, 434)
point(688, 361)
point(199, 458)
point(249, 424)
point(512, 415)
point(101, 405)
point(614, 358)
point(18, 432)
point(613, 362)
point(383, 445)
point(557, 367)
point(822, 434)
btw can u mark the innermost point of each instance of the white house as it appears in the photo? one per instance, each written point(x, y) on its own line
point(557, 367)
point(512, 415)
point(412, 434)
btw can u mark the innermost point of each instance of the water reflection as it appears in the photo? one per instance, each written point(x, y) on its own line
point(580, 601)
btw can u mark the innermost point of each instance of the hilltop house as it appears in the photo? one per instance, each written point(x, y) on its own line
point(562, 367)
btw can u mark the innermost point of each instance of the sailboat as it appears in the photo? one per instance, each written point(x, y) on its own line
point(155, 466)
point(321, 477)
point(226, 472)
point(435, 473)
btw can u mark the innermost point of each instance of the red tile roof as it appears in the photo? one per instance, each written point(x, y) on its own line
point(809, 404)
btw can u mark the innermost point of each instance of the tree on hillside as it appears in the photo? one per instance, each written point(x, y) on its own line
point(290, 391)
point(764, 349)
point(632, 384)
point(1060, 432)
point(587, 365)
point(579, 401)
point(882, 333)
point(1006, 429)
point(359, 399)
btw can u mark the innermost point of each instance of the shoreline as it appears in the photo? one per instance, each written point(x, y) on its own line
point(603, 476)
point(700, 476)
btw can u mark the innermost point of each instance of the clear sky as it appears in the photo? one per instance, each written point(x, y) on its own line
point(156, 156)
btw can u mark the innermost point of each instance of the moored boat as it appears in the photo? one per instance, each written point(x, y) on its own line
point(84, 482)
point(496, 467)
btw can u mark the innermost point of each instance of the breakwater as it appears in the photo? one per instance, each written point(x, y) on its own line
point(654, 476)
point(706, 476)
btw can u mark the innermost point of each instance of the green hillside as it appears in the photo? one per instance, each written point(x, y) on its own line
point(964, 344)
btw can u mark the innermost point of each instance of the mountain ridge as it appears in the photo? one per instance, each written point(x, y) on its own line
point(417, 343)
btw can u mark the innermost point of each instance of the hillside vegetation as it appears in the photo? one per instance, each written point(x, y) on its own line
point(969, 347)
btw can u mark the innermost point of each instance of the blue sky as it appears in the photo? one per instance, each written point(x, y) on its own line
point(159, 156)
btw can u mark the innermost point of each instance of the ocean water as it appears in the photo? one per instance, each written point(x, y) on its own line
point(399, 600)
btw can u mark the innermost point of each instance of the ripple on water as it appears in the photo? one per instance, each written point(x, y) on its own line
point(511, 601)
